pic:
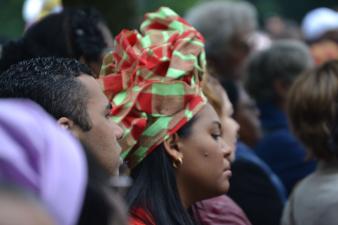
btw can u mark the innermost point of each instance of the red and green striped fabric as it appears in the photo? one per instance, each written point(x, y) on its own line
point(153, 79)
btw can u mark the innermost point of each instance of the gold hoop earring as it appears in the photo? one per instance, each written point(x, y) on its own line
point(178, 162)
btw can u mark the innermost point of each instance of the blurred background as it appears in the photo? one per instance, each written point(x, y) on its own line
point(127, 13)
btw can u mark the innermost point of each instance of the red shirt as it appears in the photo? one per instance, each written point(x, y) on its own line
point(140, 217)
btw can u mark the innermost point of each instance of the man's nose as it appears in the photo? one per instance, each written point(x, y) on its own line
point(118, 131)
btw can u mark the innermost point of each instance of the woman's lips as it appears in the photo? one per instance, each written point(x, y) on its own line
point(227, 170)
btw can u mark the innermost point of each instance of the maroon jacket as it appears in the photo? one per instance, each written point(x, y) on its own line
point(220, 210)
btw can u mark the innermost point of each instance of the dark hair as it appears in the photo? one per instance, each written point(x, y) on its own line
point(101, 204)
point(52, 83)
point(72, 33)
point(313, 110)
point(283, 61)
point(155, 189)
point(233, 93)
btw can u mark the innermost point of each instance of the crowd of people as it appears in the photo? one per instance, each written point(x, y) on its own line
point(201, 119)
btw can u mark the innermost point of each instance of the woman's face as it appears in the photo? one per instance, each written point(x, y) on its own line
point(205, 170)
point(247, 115)
point(230, 126)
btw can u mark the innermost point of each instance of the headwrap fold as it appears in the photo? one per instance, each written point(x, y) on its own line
point(153, 79)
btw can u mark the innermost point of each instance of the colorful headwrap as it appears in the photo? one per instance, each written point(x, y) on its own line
point(153, 80)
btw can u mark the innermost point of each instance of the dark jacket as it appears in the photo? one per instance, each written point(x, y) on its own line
point(280, 149)
point(255, 188)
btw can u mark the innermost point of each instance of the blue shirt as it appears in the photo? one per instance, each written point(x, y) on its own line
point(280, 149)
point(243, 152)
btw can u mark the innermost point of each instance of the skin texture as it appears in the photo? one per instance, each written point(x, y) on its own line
point(230, 126)
point(102, 139)
point(205, 170)
point(232, 64)
point(18, 210)
point(247, 115)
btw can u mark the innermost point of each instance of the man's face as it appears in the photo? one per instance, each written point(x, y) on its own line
point(102, 137)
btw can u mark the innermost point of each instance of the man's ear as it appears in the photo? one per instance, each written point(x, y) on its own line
point(68, 124)
point(171, 146)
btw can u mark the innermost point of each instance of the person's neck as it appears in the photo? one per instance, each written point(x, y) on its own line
point(184, 197)
point(186, 194)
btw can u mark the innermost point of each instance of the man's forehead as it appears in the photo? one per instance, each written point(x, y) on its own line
point(95, 92)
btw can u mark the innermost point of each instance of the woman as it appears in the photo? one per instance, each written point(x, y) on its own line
point(253, 180)
point(312, 109)
point(221, 209)
point(173, 141)
point(221, 101)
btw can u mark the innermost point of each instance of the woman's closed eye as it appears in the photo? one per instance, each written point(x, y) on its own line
point(216, 132)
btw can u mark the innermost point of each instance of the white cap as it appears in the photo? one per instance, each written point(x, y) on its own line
point(33, 10)
point(318, 21)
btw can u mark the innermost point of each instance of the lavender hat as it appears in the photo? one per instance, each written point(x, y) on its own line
point(36, 154)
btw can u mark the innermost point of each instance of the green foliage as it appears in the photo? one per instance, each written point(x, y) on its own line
point(128, 13)
point(179, 6)
point(11, 22)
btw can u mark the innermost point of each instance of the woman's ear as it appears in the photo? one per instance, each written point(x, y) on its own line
point(171, 146)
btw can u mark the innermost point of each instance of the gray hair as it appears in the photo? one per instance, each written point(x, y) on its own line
point(218, 21)
point(284, 60)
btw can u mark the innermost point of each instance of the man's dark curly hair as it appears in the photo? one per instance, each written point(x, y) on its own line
point(52, 83)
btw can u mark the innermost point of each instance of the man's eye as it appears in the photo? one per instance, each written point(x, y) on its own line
point(108, 115)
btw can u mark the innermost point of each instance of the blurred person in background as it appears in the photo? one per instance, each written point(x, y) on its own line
point(246, 113)
point(227, 27)
point(79, 33)
point(281, 28)
point(320, 29)
point(253, 180)
point(312, 109)
point(270, 75)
